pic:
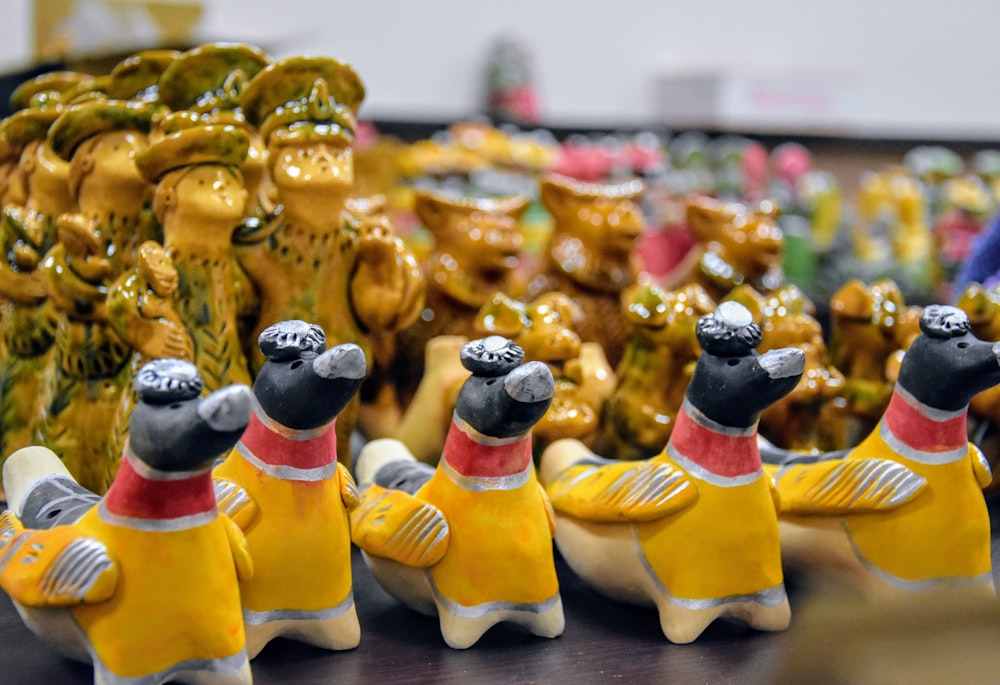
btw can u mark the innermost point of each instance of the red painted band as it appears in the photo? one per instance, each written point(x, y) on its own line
point(273, 448)
point(136, 496)
point(921, 432)
point(723, 455)
point(474, 459)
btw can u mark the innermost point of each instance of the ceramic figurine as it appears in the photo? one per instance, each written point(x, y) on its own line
point(209, 80)
point(28, 231)
point(90, 370)
point(545, 329)
point(144, 583)
point(638, 417)
point(471, 540)
point(736, 244)
point(137, 77)
point(967, 203)
point(903, 512)
point(693, 531)
point(303, 263)
point(863, 341)
point(809, 418)
point(284, 487)
point(199, 200)
point(477, 250)
point(590, 254)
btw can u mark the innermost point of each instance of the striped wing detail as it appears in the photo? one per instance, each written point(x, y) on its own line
point(842, 486)
point(397, 525)
point(52, 568)
point(627, 491)
point(235, 502)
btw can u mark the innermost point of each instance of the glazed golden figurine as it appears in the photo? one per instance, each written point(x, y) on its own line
point(306, 262)
point(91, 367)
point(810, 417)
point(654, 373)
point(692, 532)
point(477, 248)
point(589, 255)
point(735, 244)
point(38, 193)
point(199, 200)
point(545, 329)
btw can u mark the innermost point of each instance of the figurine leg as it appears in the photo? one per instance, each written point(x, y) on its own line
point(682, 625)
point(461, 632)
point(336, 633)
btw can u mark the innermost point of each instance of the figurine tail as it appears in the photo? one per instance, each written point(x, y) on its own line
point(41, 491)
point(388, 462)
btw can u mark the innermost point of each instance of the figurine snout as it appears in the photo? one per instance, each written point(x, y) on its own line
point(531, 382)
point(226, 410)
point(342, 361)
point(783, 363)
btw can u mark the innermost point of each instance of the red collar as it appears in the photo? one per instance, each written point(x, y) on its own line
point(278, 445)
point(475, 455)
point(720, 450)
point(141, 492)
point(924, 428)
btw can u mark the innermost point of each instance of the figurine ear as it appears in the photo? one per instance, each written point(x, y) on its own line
point(500, 316)
point(852, 301)
point(555, 196)
point(432, 210)
point(515, 207)
point(566, 307)
point(646, 305)
point(704, 216)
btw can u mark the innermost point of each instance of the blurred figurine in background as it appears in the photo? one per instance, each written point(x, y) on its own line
point(512, 96)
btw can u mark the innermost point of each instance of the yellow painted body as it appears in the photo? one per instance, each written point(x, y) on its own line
point(299, 540)
point(942, 533)
point(177, 598)
point(725, 544)
point(500, 547)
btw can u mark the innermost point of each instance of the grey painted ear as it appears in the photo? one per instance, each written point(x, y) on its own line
point(343, 361)
point(226, 410)
point(491, 356)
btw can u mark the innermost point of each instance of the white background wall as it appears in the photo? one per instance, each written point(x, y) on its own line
point(920, 69)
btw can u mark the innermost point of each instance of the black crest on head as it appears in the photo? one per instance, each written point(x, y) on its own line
point(292, 339)
point(944, 321)
point(491, 356)
point(162, 381)
point(729, 331)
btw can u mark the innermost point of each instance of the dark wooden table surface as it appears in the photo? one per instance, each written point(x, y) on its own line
point(604, 642)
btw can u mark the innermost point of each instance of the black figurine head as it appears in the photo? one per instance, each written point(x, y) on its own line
point(302, 385)
point(503, 397)
point(732, 384)
point(173, 428)
point(947, 365)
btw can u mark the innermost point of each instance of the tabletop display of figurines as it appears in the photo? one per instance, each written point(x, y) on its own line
point(216, 352)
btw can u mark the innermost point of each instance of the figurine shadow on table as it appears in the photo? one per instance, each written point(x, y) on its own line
point(903, 512)
point(283, 486)
point(694, 530)
point(469, 541)
point(143, 582)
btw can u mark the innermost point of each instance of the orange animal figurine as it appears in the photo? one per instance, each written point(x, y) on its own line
point(736, 244)
point(477, 248)
point(638, 417)
point(590, 254)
